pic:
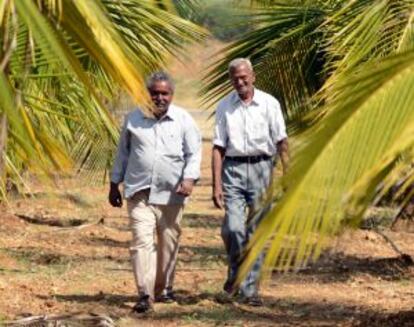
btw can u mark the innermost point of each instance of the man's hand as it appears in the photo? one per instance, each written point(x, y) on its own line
point(218, 197)
point(186, 187)
point(115, 197)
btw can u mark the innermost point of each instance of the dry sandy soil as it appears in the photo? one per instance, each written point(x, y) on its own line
point(65, 252)
point(52, 263)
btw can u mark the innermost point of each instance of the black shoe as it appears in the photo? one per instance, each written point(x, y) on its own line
point(228, 288)
point(144, 304)
point(229, 295)
point(225, 298)
point(166, 297)
point(253, 301)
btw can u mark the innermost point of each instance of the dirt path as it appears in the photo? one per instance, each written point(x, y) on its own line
point(46, 267)
point(66, 252)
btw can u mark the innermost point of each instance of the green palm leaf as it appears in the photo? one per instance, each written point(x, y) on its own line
point(363, 31)
point(66, 60)
point(350, 84)
point(370, 123)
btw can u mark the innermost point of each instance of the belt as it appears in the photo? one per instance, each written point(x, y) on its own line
point(249, 159)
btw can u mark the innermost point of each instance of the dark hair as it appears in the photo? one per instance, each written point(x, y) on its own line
point(158, 77)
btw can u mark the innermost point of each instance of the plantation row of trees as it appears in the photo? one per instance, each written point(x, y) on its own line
point(343, 70)
point(225, 20)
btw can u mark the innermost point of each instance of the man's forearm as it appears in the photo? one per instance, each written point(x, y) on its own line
point(283, 151)
point(217, 164)
point(192, 167)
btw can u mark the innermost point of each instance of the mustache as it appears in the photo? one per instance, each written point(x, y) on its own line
point(161, 105)
point(160, 102)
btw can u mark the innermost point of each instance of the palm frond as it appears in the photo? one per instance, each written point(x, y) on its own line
point(8, 108)
point(187, 8)
point(67, 60)
point(369, 116)
point(365, 30)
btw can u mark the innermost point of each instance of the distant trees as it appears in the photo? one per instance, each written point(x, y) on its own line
point(226, 20)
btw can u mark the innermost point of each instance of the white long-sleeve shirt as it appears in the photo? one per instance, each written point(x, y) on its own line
point(249, 130)
point(158, 154)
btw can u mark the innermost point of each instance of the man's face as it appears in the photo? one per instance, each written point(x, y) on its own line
point(242, 78)
point(161, 95)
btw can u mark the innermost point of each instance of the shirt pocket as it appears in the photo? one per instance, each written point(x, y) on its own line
point(173, 143)
point(260, 131)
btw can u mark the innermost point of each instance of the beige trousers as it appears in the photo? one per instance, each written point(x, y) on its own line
point(153, 263)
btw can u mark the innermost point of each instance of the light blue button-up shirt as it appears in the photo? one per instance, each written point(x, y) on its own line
point(249, 130)
point(158, 154)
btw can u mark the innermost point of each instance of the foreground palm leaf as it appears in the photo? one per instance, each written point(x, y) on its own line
point(64, 61)
point(348, 146)
point(356, 82)
point(301, 48)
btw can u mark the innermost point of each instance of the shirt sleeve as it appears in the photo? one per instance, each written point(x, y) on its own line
point(192, 150)
point(220, 131)
point(277, 123)
point(121, 159)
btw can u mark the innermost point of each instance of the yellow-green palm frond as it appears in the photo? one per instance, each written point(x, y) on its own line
point(351, 66)
point(65, 61)
point(323, 39)
point(369, 126)
point(390, 178)
point(366, 30)
point(8, 109)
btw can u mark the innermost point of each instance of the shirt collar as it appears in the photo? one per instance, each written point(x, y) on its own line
point(255, 101)
point(171, 113)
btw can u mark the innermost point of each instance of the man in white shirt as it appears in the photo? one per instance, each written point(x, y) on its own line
point(158, 161)
point(249, 132)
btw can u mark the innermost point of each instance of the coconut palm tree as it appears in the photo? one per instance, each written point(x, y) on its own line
point(62, 62)
point(343, 71)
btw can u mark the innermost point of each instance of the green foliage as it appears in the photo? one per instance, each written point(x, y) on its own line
point(344, 71)
point(62, 62)
point(226, 20)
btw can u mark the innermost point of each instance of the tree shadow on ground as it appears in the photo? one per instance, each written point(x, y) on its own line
point(340, 267)
point(77, 199)
point(203, 255)
point(15, 271)
point(400, 318)
point(106, 241)
point(197, 220)
point(279, 311)
point(55, 222)
point(39, 256)
point(275, 311)
point(103, 298)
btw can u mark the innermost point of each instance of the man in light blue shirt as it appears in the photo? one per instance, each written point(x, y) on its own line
point(249, 133)
point(158, 161)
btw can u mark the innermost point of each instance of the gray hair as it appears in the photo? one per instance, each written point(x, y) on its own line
point(240, 61)
point(159, 76)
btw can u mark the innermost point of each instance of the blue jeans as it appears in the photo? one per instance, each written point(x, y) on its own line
point(244, 184)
